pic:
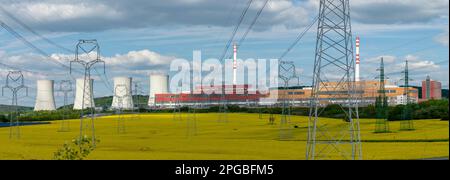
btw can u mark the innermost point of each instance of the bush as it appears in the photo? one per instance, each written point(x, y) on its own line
point(79, 149)
point(49, 115)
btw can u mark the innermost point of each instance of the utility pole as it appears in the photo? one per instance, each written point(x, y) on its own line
point(14, 82)
point(87, 54)
point(334, 59)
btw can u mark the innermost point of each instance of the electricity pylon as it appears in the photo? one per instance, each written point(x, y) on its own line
point(65, 87)
point(223, 108)
point(14, 82)
point(381, 103)
point(334, 59)
point(406, 124)
point(137, 92)
point(177, 116)
point(192, 120)
point(120, 93)
point(87, 54)
point(286, 73)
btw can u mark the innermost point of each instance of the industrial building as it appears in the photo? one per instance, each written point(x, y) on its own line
point(431, 89)
point(201, 97)
point(366, 92)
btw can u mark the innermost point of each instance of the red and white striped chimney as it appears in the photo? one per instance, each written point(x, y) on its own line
point(358, 60)
point(235, 64)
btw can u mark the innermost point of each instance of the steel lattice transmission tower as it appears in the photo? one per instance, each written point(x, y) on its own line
point(136, 95)
point(223, 107)
point(406, 124)
point(334, 78)
point(138, 100)
point(87, 54)
point(381, 103)
point(177, 116)
point(14, 82)
point(65, 87)
point(192, 120)
point(286, 72)
point(121, 92)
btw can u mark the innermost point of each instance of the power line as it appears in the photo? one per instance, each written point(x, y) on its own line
point(300, 36)
point(253, 23)
point(236, 28)
point(29, 71)
point(29, 44)
point(9, 29)
point(32, 31)
point(412, 42)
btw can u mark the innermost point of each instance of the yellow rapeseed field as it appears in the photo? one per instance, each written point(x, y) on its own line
point(243, 137)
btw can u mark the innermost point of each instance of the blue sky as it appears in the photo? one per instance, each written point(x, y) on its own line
point(138, 37)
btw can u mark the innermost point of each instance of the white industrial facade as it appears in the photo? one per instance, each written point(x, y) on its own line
point(159, 84)
point(45, 100)
point(122, 97)
point(88, 95)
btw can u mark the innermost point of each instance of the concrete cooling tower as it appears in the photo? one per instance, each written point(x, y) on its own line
point(89, 95)
point(45, 100)
point(122, 93)
point(159, 84)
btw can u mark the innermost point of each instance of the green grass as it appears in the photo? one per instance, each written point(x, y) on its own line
point(158, 136)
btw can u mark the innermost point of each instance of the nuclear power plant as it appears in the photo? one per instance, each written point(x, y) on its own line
point(86, 100)
point(161, 97)
point(122, 96)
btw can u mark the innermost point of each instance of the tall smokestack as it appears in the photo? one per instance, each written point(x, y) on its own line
point(235, 64)
point(358, 60)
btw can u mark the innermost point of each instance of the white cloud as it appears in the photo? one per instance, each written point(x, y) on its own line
point(417, 63)
point(61, 12)
point(443, 38)
point(376, 60)
point(139, 58)
point(134, 62)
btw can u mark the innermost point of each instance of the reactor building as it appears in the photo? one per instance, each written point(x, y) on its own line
point(88, 96)
point(122, 93)
point(45, 100)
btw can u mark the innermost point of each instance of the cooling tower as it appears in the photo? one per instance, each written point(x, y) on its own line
point(122, 93)
point(45, 100)
point(159, 84)
point(89, 95)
